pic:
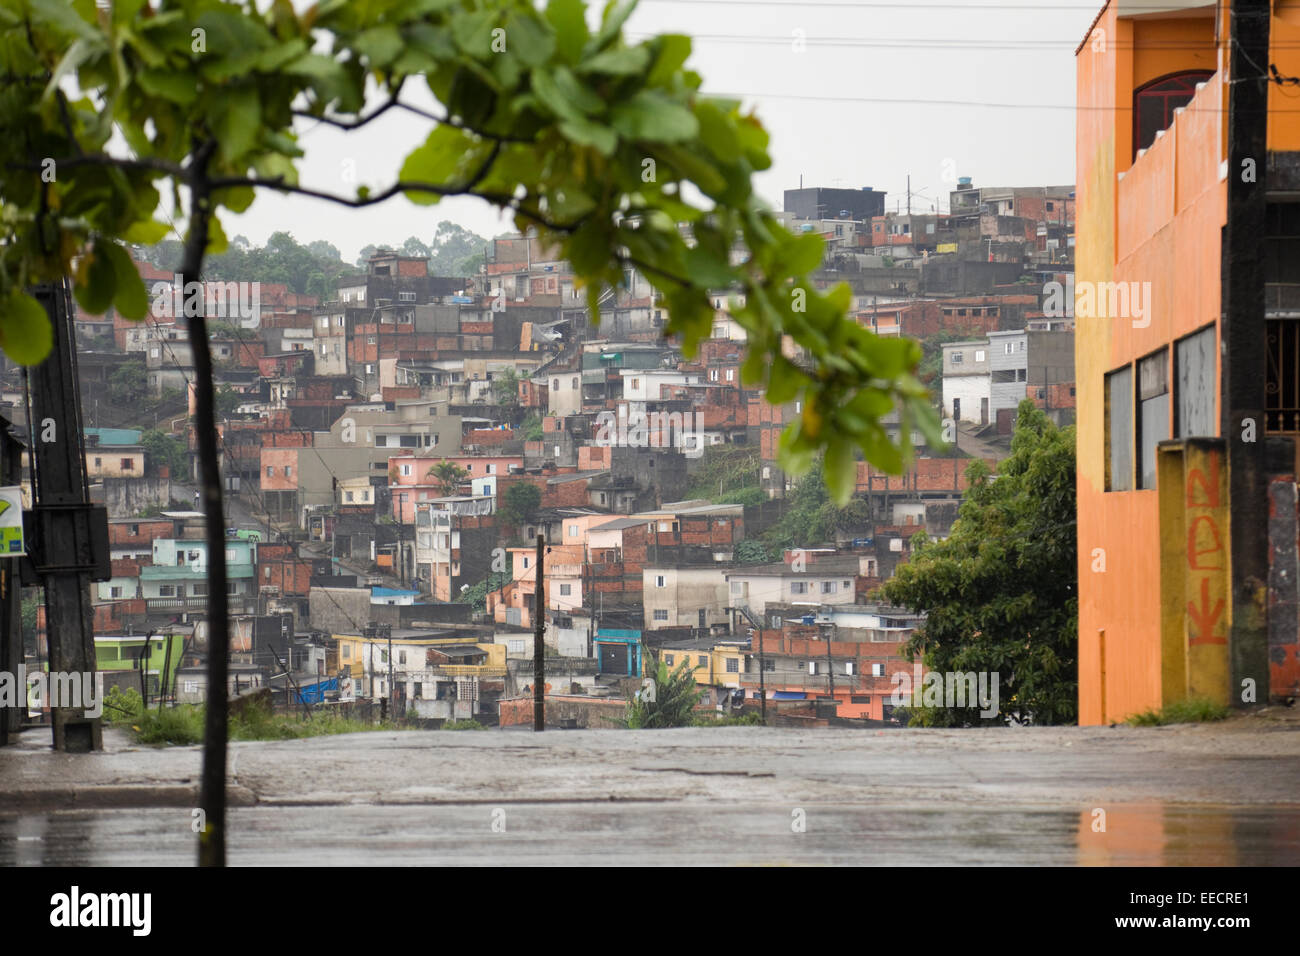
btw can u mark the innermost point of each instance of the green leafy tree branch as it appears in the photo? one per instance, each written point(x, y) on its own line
point(583, 137)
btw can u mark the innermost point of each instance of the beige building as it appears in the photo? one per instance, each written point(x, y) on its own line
point(115, 461)
point(685, 597)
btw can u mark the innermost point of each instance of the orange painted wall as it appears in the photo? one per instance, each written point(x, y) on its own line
point(1156, 221)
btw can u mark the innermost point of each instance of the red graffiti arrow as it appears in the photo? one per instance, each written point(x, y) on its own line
point(1204, 617)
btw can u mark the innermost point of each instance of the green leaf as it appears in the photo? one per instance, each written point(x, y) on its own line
point(674, 48)
point(80, 51)
point(237, 198)
point(568, 18)
point(841, 471)
point(129, 297)
point(801, 255)
point(751, 371)
point(169, 85)
point(717, 132)
point(146, 232)
point(588, 250)
point(59, 13)
point(587, 132)
point(881, 452)
point(238, 118)
point(693, 166)
point(785, 382)
point(275, 58)
point(25, 332)
point(473, 32)
point(618, 61)
point(577, 92)
point(529, 38)
point(96, 295)
point(611, 22)
point(654, 118)
point(217, 241)
point(549, 95)
point(705, 268)
point(794, 450)
point(890, 357)
point(445, 158)
point(380, 45)
point(568, 204)
point(754, 141)
point(871, 404)
point(315, 66)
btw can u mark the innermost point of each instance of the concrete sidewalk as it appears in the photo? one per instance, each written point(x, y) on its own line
point(1243, 762)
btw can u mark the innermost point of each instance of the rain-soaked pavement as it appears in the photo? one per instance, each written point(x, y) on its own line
point(1225, 794)
point(651, 833)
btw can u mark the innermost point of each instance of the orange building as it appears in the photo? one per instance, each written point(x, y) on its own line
point(1187, 309)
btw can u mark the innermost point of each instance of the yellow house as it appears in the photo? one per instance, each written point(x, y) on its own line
point(119, 461)
point(414, 670)
point(719, 665)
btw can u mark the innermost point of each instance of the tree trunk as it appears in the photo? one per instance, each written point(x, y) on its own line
point(212, 792)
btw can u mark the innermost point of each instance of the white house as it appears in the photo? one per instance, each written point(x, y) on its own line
point(967, 381)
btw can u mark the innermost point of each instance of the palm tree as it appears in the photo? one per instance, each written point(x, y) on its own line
point(449, 475)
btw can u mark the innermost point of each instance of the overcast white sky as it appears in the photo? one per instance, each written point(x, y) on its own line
point(934, 89)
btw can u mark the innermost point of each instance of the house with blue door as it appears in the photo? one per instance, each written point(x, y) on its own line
point(618, 652)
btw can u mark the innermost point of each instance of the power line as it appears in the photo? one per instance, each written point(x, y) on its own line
point(905, 43)
point(887, 5)
point(892, 101)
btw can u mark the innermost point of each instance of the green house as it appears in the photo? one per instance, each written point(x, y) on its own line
point(114, 654)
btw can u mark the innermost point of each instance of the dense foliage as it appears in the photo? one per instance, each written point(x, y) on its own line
point(448, 475)
point(1000, 593)
point(604, 147)
point(307, 270)
point(163, 449)
point(670, 701)
point(812, 517)
point(522, 499)
point(724, 468)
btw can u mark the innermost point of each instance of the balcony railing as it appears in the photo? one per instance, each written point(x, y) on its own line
point(467, 670)
point(237, 604)
point(177, 604)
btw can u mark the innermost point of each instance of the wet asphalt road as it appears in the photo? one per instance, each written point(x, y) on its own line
point(652, 834)
point(1225, 794)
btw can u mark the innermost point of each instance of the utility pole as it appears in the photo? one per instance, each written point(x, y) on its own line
point(589, 597)
point(539, 648)
point(392, 701)
point(166, 672)
point(762, 677)
point(1243, 330)
point(11, 636)
point(830, 668)
point(68, 537)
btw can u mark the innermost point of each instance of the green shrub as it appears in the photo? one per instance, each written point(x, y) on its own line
point(183, 725)
point(122, 707)
point(180, 726)
point(1191, 711)
point(672, 703)
point(463, 725)
point(750, 719)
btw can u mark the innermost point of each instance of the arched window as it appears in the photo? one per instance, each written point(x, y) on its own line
point(1154, 104)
